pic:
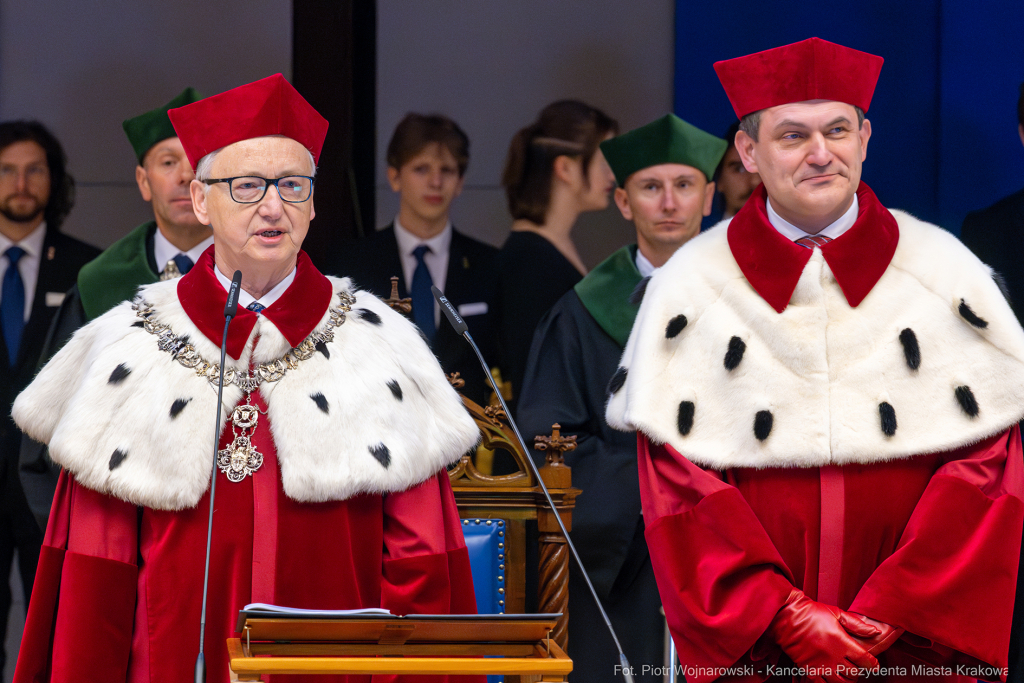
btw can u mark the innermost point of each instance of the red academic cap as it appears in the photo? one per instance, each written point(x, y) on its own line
point(269, 106)
point(813, 69)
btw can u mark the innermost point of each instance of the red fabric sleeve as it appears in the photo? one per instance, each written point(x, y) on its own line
point(426, 566)
point(720, 577)
point(87, 632)
point(952, 577)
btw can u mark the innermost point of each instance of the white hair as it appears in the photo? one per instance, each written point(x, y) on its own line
point(203, 168)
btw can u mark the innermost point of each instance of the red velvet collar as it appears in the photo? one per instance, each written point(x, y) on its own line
point(296, 313)
point(772, 264)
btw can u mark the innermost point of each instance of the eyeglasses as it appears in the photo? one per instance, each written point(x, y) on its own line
point(250, 189)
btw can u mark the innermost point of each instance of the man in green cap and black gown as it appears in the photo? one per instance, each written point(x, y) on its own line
point(663, 171)
point(160, 249)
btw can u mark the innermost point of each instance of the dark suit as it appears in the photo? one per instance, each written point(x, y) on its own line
point(471, 278)
point(60, 260)
point(996, 236)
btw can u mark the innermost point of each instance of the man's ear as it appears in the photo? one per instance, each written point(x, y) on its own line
point(745, 148)
point(865, 135)
point(1020, 132)
point(709, 197)
point(622, 201)
point(393, 181)
point(142, 179)
point(198, 192)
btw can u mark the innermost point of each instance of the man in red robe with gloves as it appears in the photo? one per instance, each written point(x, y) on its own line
point(338, 425)
point(826, 394)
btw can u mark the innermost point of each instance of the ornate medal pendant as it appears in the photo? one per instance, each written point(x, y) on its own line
point(241, 459)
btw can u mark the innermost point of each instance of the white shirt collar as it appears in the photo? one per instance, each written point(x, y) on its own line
point(407, 241)
point(793, 233)
point(33, 244)
point(164, 251)
point(245, 298)
point(645, 267)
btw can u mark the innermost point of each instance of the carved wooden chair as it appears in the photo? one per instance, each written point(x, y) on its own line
point(500, 507)
point(510, 500)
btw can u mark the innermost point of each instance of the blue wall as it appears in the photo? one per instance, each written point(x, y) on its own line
point(944, 127)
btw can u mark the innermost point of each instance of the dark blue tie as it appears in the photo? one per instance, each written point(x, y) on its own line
point(183, 262)
point(422, 298)
point(12, 306)
point(256, 307)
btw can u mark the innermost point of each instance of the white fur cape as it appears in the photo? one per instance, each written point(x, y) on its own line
point(819, 372)
point(323, 453)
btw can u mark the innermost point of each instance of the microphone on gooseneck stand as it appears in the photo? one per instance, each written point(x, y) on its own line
point(230, 311)
point(461, 328)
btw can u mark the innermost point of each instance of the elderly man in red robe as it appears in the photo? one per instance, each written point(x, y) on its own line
point(826, 394)
point(338, 426)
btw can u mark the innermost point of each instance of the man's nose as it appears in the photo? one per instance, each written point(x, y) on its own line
point(669, 201)
point(271, 206)
point(818, 153)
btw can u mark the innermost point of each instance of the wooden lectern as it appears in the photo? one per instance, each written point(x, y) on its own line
point(514, 644)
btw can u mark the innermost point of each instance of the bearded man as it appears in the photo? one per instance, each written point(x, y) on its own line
point(38, 264)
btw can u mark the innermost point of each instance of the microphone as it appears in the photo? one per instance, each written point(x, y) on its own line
point(462, 329)
point(230, 311)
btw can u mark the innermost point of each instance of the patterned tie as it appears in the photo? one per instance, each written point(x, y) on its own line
point(812, 241)
point(422, 298)
point(183, 262)
point(256, 307)
point(12, 306)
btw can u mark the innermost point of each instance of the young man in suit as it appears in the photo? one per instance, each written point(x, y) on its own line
point(37, 265)
point(427, 159)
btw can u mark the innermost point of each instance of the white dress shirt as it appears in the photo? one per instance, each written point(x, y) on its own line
point(793, 233)
point(245, 298)
point(164, 251)
point(28, 265)
point(645, 267)
point(436, 259)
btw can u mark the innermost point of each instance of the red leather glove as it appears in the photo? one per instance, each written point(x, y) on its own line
point(887, 635)
point(823, 639)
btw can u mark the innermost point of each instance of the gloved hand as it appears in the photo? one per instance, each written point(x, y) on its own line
point(887, 635)
point(823, 638)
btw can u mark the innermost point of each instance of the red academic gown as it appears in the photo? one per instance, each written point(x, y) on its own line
point(119, 588)
point(927, 543)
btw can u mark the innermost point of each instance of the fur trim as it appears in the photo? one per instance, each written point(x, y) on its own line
point(933, 349)
point(145, 438)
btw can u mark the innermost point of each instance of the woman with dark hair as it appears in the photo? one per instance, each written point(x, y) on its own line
point(554, 172)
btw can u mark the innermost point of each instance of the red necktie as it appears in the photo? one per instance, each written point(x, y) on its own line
point(812, 241)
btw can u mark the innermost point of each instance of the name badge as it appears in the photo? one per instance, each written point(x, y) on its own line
point(479, 308)
point(55, 298)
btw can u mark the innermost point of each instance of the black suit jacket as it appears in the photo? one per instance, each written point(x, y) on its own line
point(60, 261)
point(996, 236)
point(471, 279)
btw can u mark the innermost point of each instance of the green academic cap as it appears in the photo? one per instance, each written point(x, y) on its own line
point(669, 140)
point(147, 129)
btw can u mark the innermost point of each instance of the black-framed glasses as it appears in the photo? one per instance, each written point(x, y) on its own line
point(250, 189)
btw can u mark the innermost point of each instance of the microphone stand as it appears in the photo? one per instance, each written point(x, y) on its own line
point(462, 329)
point(230, 310)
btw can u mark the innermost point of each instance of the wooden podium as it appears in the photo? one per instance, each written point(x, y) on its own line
point(512, 644)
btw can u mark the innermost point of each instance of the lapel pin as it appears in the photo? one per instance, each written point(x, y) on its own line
point(50, 253)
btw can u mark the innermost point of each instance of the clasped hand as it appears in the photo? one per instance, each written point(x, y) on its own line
point(829, 643)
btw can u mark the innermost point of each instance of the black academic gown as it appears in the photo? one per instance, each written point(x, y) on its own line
point(571, 362)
